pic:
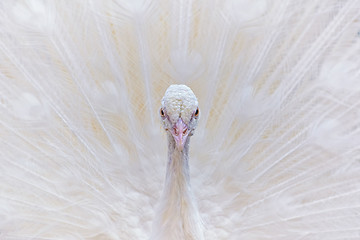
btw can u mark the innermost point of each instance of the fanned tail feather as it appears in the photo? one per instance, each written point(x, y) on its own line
point(275, 155)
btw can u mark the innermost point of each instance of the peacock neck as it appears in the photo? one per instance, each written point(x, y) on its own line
point(178, 167)
point(178, 217)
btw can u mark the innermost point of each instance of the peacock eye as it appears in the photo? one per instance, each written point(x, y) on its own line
point(162, 112)
point(196, 112)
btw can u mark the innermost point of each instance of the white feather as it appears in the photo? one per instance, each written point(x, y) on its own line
point(275, 155)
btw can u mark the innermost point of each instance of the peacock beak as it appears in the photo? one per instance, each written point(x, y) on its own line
point(180, 133)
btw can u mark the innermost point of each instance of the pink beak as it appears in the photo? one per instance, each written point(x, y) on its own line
point(180, 133)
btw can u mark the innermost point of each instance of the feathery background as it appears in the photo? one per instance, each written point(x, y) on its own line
point(276, 154)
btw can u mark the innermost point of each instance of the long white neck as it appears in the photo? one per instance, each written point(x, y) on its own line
point(178, 216)
point(177, 182)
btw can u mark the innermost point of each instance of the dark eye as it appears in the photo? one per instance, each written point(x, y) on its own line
point(162, 112)
point(196, 112)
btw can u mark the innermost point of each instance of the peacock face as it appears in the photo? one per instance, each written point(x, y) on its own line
point(179, 113)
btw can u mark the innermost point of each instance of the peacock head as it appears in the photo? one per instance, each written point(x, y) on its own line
point(179, 113)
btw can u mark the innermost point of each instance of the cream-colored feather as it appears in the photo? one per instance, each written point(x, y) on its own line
point(275, 155)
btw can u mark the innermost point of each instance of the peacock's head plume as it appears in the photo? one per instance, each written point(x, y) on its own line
point(179, 113)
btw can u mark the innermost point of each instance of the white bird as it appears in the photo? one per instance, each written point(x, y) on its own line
point(178, 216)
point(276, 151)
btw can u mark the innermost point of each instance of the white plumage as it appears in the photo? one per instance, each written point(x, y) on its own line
point(276, 152)
point(178, 215)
